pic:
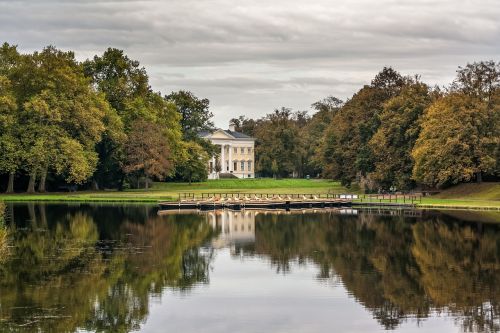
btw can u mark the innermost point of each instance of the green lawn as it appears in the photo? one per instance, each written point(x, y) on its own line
point(171, 191)
point(485, 195)
point(481, 196)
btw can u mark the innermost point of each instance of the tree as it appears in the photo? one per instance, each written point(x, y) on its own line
point(10, 159)
point(345, 152)
point(278, 142)
point(479, 79)
point(244, 125)
point(313, 132)
point(459, 139)
point(394, 140)
point(147, 154)
point(9, 144)
point(58, 106)
point(122, 81)
point(125, 85)
point(195, 115)
point(194, 167)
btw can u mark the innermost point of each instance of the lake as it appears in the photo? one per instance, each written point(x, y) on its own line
point(123, 268)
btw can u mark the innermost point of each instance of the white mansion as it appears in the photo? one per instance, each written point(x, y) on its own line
point(236, 153)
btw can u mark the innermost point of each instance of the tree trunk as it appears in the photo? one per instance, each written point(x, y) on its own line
point(31, 184)
point(32, 214)
point(120, 184)
point(10, 186)
point(146, 185)
point(479, 177)
point(43, 214)
point(10, 207)
point(43, 180)
point(95, 185)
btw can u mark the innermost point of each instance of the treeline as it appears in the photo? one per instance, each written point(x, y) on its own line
point(97, 123)
point(395, 133)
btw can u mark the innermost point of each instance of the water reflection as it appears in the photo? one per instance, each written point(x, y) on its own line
point(98, 267)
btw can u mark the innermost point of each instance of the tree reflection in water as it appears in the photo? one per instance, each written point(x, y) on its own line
point(97, 267)
point(69, 270)
point(396, 267)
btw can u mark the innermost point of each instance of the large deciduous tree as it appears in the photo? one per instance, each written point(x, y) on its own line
point(460, 136)
point(147, 152)
point(195, 114)
point(459, 139)
point(125, 85)
point(345, 150)
point(54, 104)
point(394, 140)
point(278, 144)
point(194, 166)
point(59, 107)
point(9, 143)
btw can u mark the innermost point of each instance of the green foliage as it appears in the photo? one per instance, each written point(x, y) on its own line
point(394, 140)
point(81, 123)
point(61, 272)
point(459, 139)
point(278, 144)
point(195, 115)
point(147, 155)
point(125, 86)
point(193, 168)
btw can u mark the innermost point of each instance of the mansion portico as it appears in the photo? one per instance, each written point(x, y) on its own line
point(236, 153)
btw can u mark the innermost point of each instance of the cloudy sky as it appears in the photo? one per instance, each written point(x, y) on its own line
point(250, 57)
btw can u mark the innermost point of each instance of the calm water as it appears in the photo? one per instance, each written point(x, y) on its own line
point(121, 268)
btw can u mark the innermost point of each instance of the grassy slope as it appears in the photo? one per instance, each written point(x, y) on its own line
point(482, 191)
point(170, 191)
point(467, 195)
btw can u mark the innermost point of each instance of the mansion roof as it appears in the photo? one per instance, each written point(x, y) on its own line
point(230, 134)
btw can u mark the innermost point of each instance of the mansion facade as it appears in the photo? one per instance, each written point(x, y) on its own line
point(237, 154)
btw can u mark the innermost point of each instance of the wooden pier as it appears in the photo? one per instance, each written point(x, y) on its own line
point(255, 202)
point(238, 201)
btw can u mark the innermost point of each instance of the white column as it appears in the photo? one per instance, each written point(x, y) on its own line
point(222, 159)
point(230, 158)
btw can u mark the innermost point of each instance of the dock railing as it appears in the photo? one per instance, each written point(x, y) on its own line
point(362, 198)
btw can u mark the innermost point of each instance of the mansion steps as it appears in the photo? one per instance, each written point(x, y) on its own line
point(237, 154)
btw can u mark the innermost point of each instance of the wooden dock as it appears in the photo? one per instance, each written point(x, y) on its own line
point(238, 201)
point(255, 202)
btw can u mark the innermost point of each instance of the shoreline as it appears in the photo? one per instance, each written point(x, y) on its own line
point(128, 197)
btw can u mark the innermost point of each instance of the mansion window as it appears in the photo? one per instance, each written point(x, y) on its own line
point(235, 150)
point(242, 150)
point(235, 164)
point(249, 150)
point(242, 165)
point(249, 165)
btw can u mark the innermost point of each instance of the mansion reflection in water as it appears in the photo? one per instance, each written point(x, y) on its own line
point(237, 228)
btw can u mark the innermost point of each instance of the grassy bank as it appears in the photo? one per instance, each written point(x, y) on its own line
point(468, 196)
point(481, 195)
point(463, 196)
point(171, 191)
